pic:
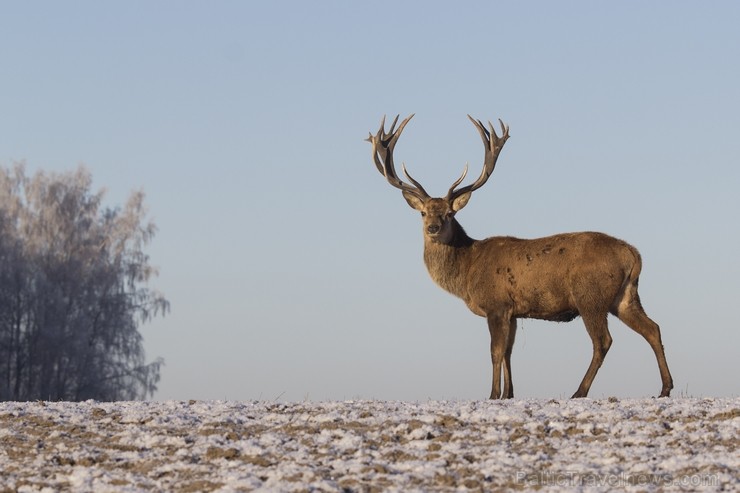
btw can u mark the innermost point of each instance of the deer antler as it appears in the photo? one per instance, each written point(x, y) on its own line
point(493, 144)
point(383, 143)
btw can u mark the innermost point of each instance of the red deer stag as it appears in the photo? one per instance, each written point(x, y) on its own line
point(502, 278)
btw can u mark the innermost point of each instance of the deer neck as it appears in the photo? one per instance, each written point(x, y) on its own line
point(447, 262)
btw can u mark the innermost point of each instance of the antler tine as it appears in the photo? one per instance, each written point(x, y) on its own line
point(383, 143)
point(458, 181)
point(504, 129)
point(493, 145)
point(393, 125)
point(413, 182)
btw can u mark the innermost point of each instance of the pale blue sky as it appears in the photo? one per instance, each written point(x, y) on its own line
point(295, 271)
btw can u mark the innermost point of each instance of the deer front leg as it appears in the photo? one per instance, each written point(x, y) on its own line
point(500, 327)
point(508, 382)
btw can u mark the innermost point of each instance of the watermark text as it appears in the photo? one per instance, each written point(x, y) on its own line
point(569, 478)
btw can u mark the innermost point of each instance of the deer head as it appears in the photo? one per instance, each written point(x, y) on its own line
point(438, 214)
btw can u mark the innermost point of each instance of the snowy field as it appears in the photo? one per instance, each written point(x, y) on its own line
point(549, 445)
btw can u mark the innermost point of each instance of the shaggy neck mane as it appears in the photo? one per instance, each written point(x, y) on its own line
point(447, 263)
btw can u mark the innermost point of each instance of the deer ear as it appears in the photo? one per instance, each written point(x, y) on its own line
point(414, 201)
point(461, 201)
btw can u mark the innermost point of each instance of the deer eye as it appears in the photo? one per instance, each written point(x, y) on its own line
point(423, 213)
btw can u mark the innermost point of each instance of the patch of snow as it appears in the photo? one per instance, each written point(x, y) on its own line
point(581, 444)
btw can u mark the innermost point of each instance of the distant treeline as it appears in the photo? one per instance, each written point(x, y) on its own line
point(73, 291)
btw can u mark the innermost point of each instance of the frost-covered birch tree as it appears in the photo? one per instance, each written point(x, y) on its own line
point(73, 290)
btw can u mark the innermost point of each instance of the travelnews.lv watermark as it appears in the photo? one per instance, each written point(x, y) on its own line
point(615, 480)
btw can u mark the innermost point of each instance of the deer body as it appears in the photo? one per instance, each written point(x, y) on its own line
point(502, 278)
point(545, 278)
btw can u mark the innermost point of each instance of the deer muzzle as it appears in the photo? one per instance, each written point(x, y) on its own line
point(433, 229)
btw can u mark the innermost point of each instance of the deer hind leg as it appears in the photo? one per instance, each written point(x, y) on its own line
point(500, 327)
point(630, 312)
point(598, 330)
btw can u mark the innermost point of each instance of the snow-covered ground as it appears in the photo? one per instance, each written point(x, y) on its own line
point(550, 445)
